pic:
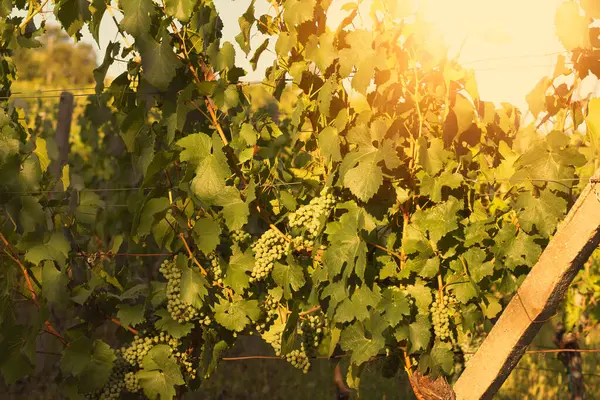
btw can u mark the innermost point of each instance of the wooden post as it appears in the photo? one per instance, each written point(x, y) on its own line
point(63, 130)
point(536, 300)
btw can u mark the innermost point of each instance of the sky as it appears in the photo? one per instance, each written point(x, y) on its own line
point(510, 44)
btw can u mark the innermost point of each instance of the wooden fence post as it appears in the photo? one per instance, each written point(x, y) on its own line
point(536, 300)
point(63, 130)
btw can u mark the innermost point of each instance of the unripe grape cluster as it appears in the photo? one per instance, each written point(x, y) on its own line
point(179, 311)
point(298, 359)
point(240, 236)
point(301, 243)
point(116, 382)
point(311, 331)
point(269, 248)
point(132, 383)
point(310, 216)
point(183, 360)
point(270, 305)
point(274, 339)
point(215, 268)
point(440, 316)
point(137, 350)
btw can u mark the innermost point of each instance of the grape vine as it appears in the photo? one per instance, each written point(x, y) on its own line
point(321, 208)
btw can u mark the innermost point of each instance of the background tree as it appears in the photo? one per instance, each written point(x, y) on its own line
point(57, 61)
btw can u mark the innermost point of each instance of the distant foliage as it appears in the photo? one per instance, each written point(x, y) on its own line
point(387, 211)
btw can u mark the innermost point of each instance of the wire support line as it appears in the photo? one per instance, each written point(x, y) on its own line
point(40, 192)
point(57, 90)
point(256, 82)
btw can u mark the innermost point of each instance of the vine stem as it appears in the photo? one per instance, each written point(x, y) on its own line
point(130, 329)
point(272, 226)
point(408, 369)
point(441, 288)
point(390, 252)
point(187, 247)
point(8, 250)
point(309, 311)
point(208, 76)
point(33, 14)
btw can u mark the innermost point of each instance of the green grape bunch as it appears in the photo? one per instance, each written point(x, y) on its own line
point(441, 312)
point(179, 311)
point(298, 359)
point(311, 216)
point(268, 249)
point(184, 360)
point(270, 305)
point(240, 236)
point(116, 382)
point(215, 268)
point(273, 337)
point(137, 350)
point(311, 331)
point(132, 383)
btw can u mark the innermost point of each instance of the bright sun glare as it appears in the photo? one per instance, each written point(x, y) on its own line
point(510, 44)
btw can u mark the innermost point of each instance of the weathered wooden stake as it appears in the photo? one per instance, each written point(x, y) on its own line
point(536, 300)
point(63, 130)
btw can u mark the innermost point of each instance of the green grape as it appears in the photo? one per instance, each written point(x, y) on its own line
point(116, 383)
point(215, 267)
point(440, 317)
point(311, 331)
point(310, 218)
point(132, 383)
point(298, 359)
point(240, 236)
point(274, 339)
point(179, 311)
point(137, 350)
point(268, 249)
point(270, 305)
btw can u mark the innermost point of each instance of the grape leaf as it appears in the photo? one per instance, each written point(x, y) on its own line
point(438, 220)
point(432, 186)
point(235, 211)
point(91, 361)
point(137, 15)
point(571, 27)
point(193, 284)
point(289, 276)
point(246, 21)
point(543, 212)
point(394, 306)
point(237, 314)
point(298, 11)
point(419, 333)
point(159, 62)
point(97, 8)
point(364, 180)
point(207, 234)
point(196, 147)
point(329, 144)
point(422, 296)
point(160, 374)
point(443, 356)
point(167, 324)
point(478, 268)
point(236, 276)
point(56, 248)
point(346, 247)
point(130, 315)
point(180, 9)
point(54, 283)
point(154, 208)
point(353, 339)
